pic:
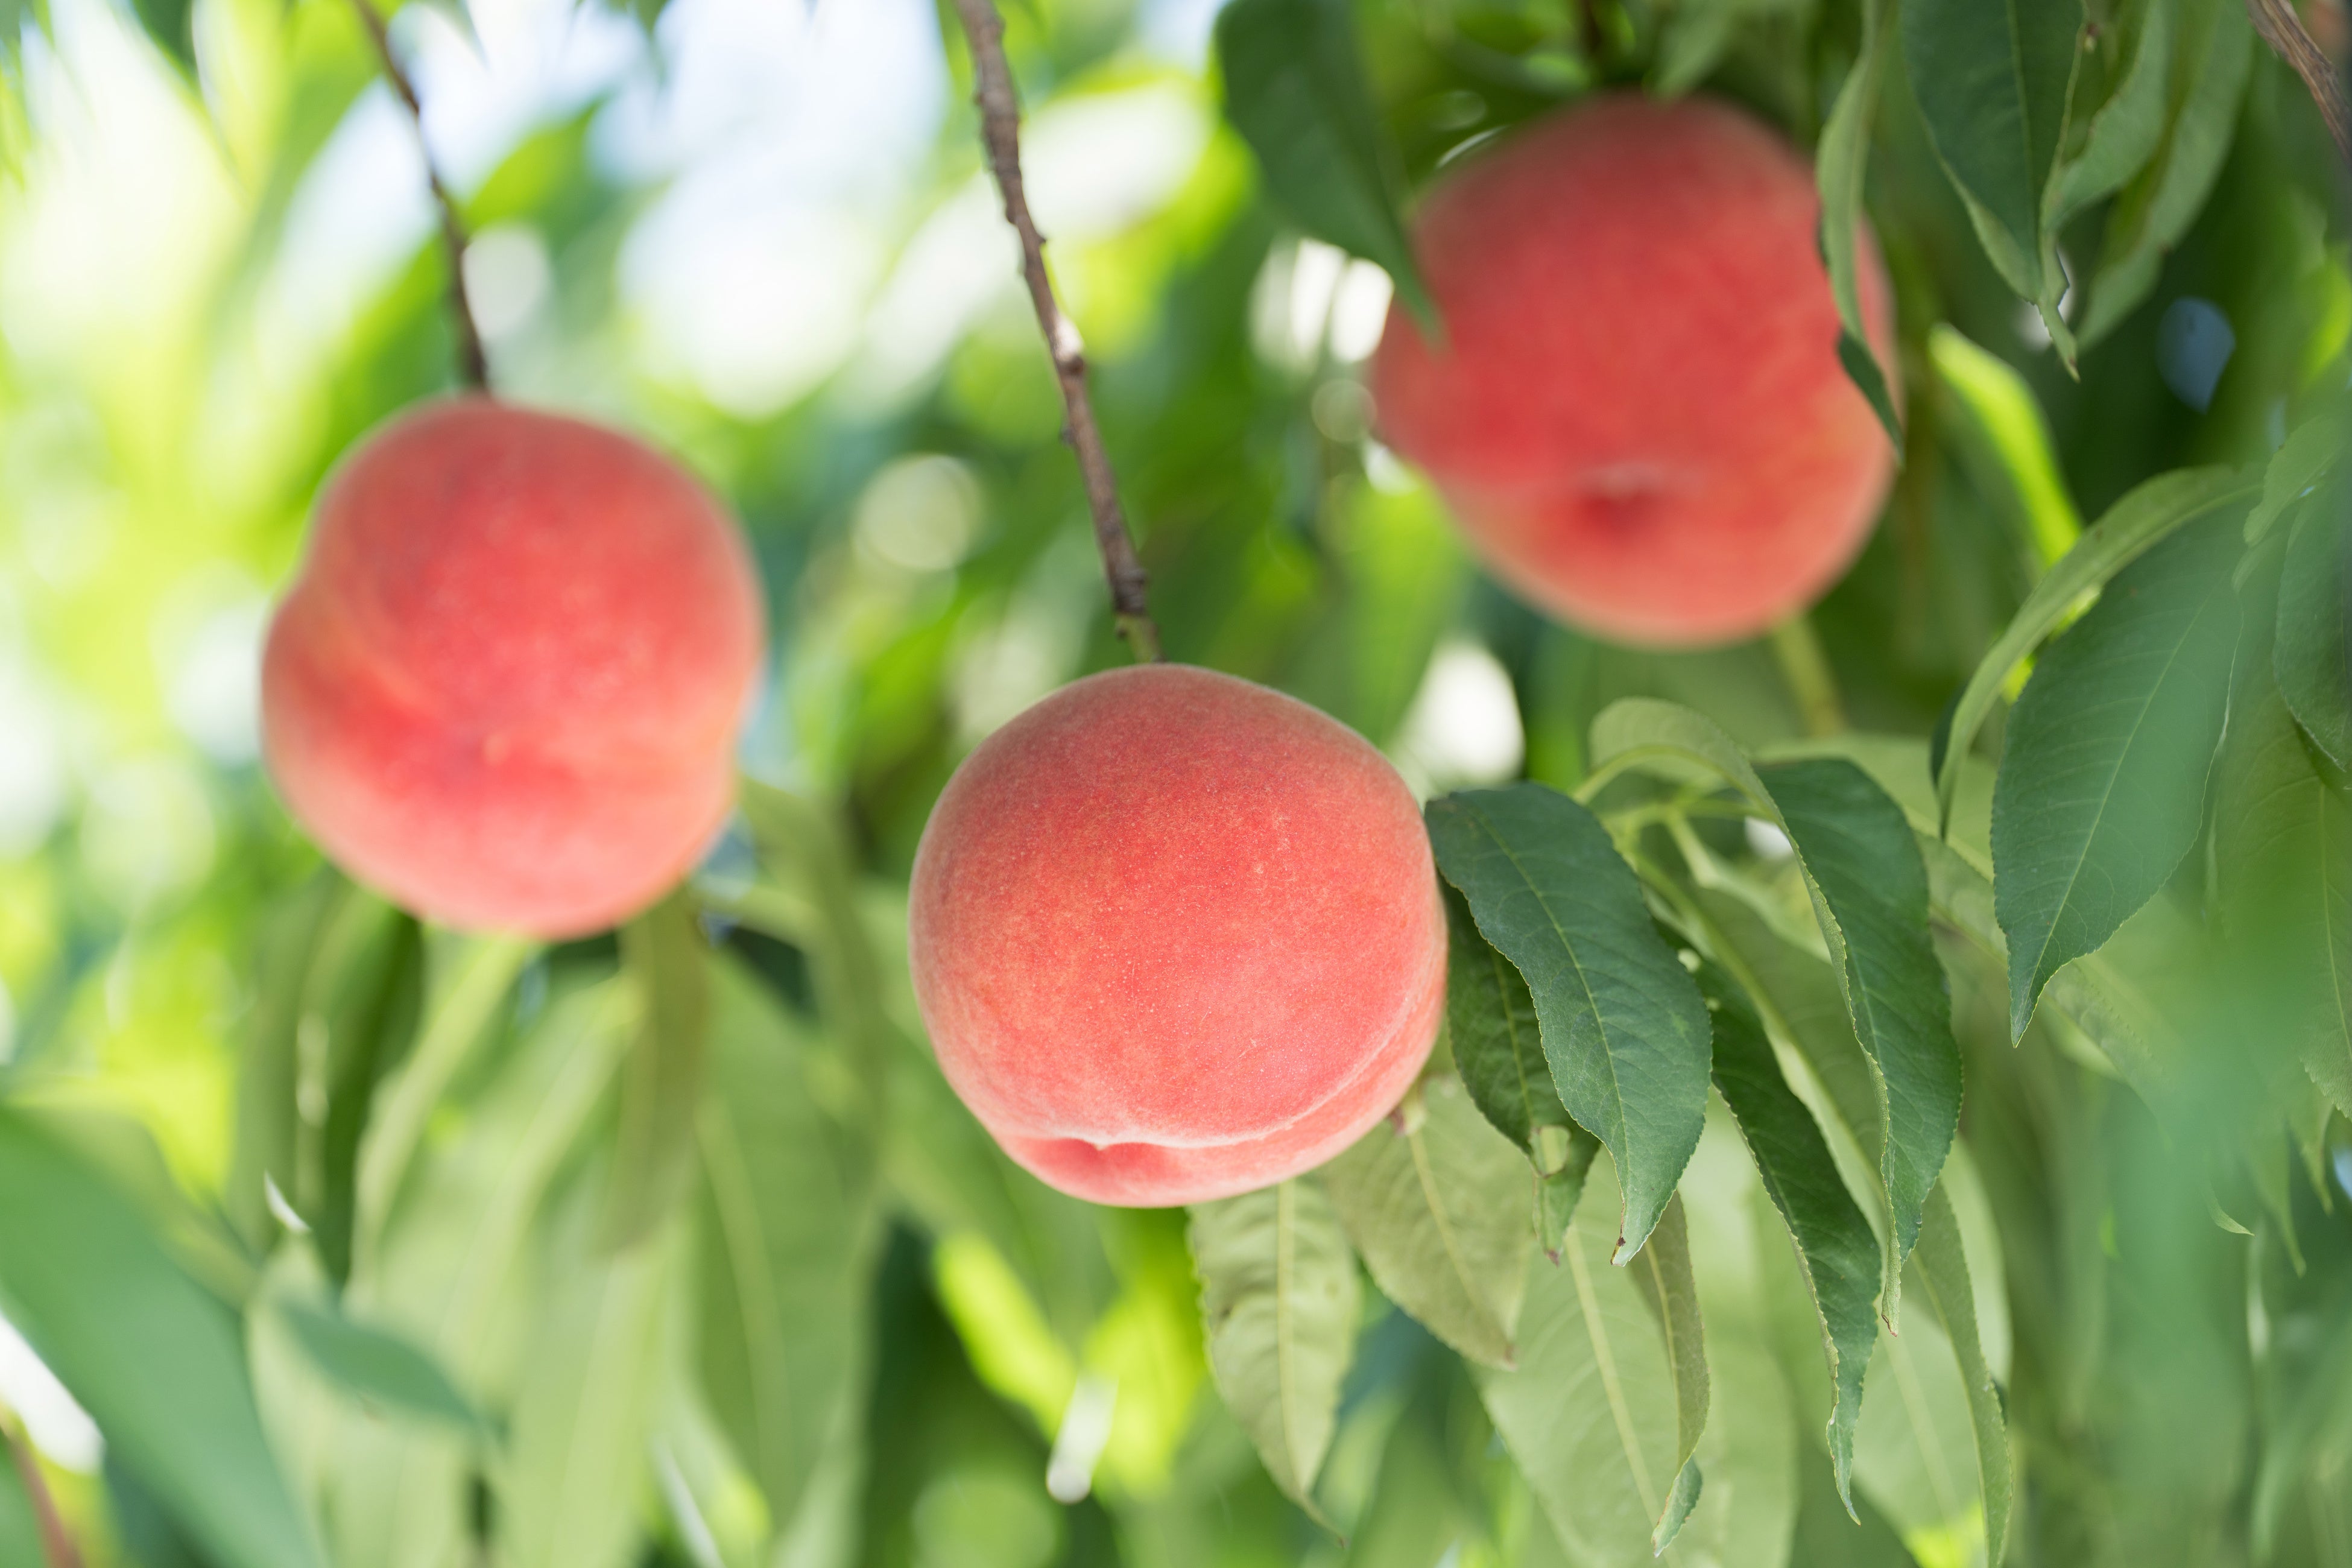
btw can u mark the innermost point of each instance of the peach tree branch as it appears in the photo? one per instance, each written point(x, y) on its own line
point(2284, 31)
point(473, 365)
point(1000, 129)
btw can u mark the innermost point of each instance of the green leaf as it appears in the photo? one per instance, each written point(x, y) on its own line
point(1498, 1044)
point(1663, 1276)
point(1839, 169)
point(462, 999)
point(1992, 79)
point(358, 1011)
point(579, 1459)
point(149, 1355)
point(2011, 444)
point(1589, 1418)
point(1869, 894)
point(1296, 90)
point(2102, 782)
point(170, 26)
point(2312, 658)
point(1437, 1207)
point(1870, 889)
point(1279, 1304)
point(1836, 1253)
point(2209, 61)
point(2129, 528)
point(2123, 134)
point(1943, 1278)
point(786, 1227)
point(1557, 1195)
point(663, 952)
point(379, 1366)
point(2283, 851)
point(1623, 1026)
point(2115, 141)
point(20, 1525)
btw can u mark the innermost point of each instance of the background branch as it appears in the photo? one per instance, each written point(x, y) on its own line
point(57, 1549)
point(1000, 129)
point(2284, 31)
point(473, 365)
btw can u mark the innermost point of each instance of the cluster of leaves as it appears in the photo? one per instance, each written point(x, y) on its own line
point(677, 1249)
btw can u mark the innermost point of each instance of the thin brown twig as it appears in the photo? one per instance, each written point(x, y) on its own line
point(2284, 31)
point(1000, 129)
point(473, 365)
point(58, 1550)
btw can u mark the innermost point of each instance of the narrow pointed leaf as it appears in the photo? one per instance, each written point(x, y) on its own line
point(1279, 1304)
point(1663, 1276)
point(2311, 656)
point(2102, 780)
point(2144, 517)
point(152, 1357)
point(380, 1366)
point(1839, 167)
point(359, 1007)
point(662, 1077)
point(1623, 1026)
point(1497, 1042)
point(2205, 80)
point(1438, 1208)
point(784, 1222)
point(1942, 1266)
point(1871, 890)
point(578, 1460)
point(1836, 1253)
point(1296, 90)
point(1992, 80)
point(2284, 854)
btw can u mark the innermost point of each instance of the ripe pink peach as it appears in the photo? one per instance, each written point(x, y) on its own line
point(1635, 408)
point(1176, 936)
point(505, 686)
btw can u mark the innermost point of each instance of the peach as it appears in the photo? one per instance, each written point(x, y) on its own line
point(1176, 936)
point(505, 686)
point(1635, 407)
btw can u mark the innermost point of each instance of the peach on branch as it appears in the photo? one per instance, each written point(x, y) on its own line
point(1176, 936)
point(1634, 405)
point(505, 686)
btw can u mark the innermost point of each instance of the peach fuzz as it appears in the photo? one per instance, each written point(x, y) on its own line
point(505, 686)
point(1176, 936)
point(1635, 408)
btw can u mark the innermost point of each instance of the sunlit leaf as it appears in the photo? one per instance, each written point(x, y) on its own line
point(1279, 1304)
point(1623, 1026)
point(2102, 771)
point(152, 1357)
point(2012, 440)
point(1438, 1209)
